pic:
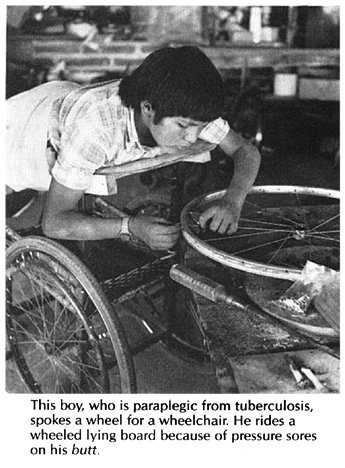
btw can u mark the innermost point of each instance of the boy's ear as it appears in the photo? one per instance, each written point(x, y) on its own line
point(146, 109)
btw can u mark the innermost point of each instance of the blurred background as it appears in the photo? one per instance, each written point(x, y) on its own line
point(264, 54)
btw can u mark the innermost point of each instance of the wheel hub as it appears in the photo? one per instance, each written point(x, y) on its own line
point(50, 348)
point(300, 234)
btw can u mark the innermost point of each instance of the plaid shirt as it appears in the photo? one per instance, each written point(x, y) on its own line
point(91, 128)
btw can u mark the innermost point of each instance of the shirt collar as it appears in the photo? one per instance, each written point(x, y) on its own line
point(132, 141)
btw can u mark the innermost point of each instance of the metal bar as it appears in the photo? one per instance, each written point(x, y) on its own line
point(217, 293)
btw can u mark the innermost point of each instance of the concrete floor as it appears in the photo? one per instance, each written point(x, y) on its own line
point(160, 370)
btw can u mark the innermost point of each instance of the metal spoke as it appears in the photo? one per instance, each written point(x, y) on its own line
point(239, 236)
point(279, 248)
point(265, 229)
point(257, 246)
point(323, 238)
point(325, 222)
point(264, 222)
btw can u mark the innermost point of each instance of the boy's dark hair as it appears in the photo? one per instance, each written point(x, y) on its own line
point(176, 82)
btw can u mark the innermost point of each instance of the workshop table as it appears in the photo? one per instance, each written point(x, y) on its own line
point(248, 351)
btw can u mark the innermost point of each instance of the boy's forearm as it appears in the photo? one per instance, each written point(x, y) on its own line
point(73, 225)
point(246, 166)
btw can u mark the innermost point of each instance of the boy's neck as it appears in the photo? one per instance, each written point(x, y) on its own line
point(144, 134)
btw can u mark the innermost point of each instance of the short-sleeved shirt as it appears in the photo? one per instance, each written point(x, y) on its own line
point(91, 128)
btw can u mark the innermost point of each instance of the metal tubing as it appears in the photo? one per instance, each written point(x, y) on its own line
point(217, 293)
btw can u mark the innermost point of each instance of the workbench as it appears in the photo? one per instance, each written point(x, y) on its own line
point(247, 350)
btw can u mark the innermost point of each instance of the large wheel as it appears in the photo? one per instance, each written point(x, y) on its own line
point(63, 333)
point(281, 227)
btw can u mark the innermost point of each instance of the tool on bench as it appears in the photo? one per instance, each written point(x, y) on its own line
point(217, 293)
point(305, 377)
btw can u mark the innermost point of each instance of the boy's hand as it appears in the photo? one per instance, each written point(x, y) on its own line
point(224, 215)
point(155, 232)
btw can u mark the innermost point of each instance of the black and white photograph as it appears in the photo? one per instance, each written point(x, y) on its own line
point(189, 243)
point(172, 235)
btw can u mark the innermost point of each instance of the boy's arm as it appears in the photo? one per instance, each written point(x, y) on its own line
point(226, 212)
point(62, 220)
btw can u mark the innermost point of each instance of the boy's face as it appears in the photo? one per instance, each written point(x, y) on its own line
point(175, 132)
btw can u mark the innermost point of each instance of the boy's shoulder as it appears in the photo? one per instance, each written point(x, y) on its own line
point(97, 92)
point(100, 100)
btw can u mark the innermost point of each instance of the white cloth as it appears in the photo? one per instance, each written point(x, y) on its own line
point(26, 135)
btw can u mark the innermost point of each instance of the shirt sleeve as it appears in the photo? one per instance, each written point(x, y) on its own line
point(215, 131)
point(85, 146)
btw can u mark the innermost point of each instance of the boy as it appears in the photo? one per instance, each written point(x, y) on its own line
point(60, 133)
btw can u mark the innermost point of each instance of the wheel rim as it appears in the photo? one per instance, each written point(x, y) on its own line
point(236, 260)
point(83, 286)
point(54, 344)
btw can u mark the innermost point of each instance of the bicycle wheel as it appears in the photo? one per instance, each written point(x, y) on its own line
point(281, 227)
point(63, 333)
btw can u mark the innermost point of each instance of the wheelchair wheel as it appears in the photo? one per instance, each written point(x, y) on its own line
point(280, 229)
point(63, 333)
